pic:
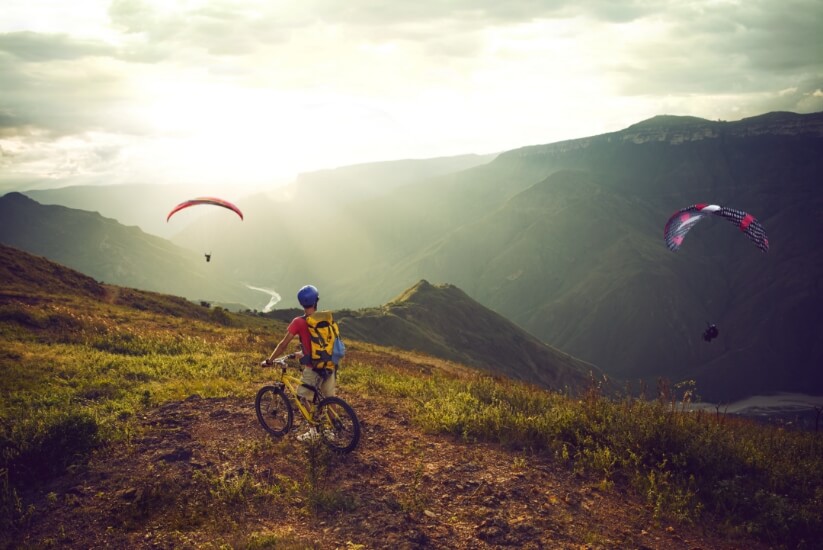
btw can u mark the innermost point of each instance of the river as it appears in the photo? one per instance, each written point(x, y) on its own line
point(275, 298)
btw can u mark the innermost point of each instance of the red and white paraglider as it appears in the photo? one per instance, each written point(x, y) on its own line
point(205, 201)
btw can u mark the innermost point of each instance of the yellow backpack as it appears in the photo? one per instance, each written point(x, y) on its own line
point(326, 345)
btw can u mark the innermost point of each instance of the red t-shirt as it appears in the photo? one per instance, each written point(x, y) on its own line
point(298, 327)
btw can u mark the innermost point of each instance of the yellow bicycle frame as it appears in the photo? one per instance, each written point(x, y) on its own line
point(290, 384)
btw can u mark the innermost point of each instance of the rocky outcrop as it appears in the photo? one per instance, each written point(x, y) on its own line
point(677, 130)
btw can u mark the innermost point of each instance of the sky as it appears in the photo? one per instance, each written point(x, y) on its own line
point(253, 92)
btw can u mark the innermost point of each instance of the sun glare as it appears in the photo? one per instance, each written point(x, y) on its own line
point(220, 133)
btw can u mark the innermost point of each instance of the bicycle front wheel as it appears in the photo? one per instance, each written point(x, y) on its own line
point(274, 410)
point(338, 424)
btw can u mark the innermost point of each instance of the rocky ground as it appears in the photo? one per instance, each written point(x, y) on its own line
point(202, 473)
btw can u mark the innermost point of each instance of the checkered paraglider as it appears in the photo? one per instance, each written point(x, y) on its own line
point(683, 220)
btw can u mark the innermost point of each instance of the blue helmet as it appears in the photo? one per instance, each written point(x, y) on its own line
point(308, 296)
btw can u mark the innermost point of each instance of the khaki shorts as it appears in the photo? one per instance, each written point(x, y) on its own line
point(312, 378)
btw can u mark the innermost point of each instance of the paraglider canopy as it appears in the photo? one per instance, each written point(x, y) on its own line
point(683, 220)
point(205, 200)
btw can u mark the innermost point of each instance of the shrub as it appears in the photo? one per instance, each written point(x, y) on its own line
point(40, 450)
point(221, 317)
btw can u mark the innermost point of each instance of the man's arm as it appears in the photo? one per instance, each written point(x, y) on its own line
point(281, 346)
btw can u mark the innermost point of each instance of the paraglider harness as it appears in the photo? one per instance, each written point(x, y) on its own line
point(710, 333)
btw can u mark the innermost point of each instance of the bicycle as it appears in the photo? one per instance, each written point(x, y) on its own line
point(333, 419)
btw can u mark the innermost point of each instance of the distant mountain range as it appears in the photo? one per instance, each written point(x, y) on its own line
point(108, 251)
point(141, 205)
point(146, 205)
point(565, 240)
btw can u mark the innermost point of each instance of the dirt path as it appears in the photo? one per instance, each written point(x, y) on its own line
point(202, 473)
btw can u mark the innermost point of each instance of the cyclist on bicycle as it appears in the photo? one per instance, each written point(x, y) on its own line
point(308, 296)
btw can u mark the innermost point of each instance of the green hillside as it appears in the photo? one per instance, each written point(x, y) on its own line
point(126, 421)
point(441, 320)
point(108, 251)
point(556, 256)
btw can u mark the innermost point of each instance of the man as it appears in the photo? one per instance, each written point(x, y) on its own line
point(308, 296)
point(711, 332)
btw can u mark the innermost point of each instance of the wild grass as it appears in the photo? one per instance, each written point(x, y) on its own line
point(77, 371)
point(758, 480)
point(320, 496)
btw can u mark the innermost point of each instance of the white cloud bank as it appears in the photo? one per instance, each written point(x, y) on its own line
point(253, 92)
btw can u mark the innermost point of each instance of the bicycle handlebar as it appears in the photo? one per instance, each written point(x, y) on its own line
point(282, 361)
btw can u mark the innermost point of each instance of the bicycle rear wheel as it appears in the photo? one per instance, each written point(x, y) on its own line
point(338, 424)
point(274, 410)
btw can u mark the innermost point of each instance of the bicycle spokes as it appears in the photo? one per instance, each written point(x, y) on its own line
point(273, 410)
point(337, 424)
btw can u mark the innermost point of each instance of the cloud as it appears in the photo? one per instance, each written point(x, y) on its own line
point(31, 46)
point(161, 89)
point(62, 98)
point(736, 56)
point(476, 13)
point(234, 28)
point(215, 28)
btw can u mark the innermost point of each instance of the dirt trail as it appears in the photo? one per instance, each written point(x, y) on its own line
point(195, 475)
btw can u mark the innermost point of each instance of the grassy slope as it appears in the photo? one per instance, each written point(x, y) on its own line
point(440, 320)
point(83, 364)
point(79, 355)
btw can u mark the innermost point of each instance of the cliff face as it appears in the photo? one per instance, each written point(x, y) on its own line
point(676, 130)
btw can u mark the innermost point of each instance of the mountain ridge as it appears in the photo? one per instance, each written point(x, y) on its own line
point(443, 321)
point(675, 130)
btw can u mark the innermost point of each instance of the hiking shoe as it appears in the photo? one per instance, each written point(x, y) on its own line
point(310, 435)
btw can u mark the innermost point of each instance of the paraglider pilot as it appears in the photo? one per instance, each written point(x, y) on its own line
point(711, 332)
point(208, 256)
